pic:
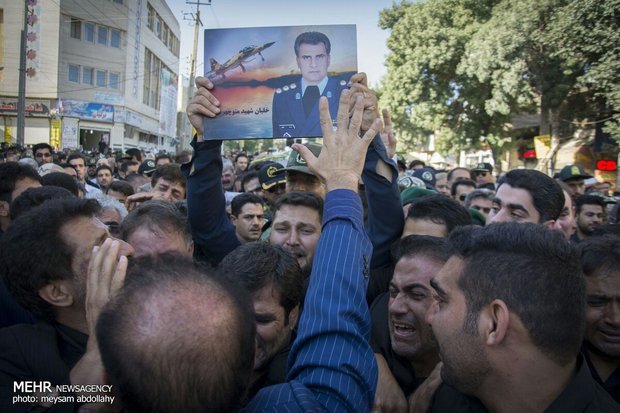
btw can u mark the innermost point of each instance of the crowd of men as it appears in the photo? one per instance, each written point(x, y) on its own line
point(344, 280)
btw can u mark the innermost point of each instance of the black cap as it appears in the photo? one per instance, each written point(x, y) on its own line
point(572, 172)
point(271, 174)
point(91, 162)
point(483, 167)
point(147, 167)
point(427, 175)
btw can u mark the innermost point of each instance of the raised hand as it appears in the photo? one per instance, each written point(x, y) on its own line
point(342, 158)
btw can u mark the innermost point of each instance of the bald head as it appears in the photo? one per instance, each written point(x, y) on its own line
point(190, 333)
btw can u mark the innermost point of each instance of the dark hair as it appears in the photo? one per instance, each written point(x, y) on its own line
point(156, 214)
point(535, 272)
point(164, 156)
point(478, 193)
point(414, 245)
point(299, 198)
point(123, 187)
point(190, 333)
point(237, 203)
point(241, 155)
point(451, 172)
point(135, 152)
point(589, 200)
point(42, 145)
point(312, 38)
point(416, 162)
point(465, 182)
point(33, 253)
point(10, 173)
point(604, 229)
point(33, 197)
point(600, 255)
point(170, 172)
point(440, 210)
point(76, 155)
point(547, 196)
point(104, 166)
point(125, 165)
point(62, 180)
point(247, 177)
point(259, 264)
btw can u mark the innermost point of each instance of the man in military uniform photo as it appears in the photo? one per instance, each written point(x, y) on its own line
point(295, 107)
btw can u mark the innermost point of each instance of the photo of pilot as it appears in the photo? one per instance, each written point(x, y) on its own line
point(295, 109)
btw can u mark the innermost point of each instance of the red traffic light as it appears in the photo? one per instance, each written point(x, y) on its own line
point(530, 154)
point(606, 165)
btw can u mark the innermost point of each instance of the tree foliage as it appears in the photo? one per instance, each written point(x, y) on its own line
point(464, 67)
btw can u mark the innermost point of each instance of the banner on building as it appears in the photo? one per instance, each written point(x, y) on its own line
point(70, 133)
point(34, 107)
point(55, 133)
point(87, 110)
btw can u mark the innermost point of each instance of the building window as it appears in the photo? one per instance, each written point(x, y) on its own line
point(102, 35)
point(87, 75)
point(118, 1)
point(153, 68)
point(150, 20)
point(74, 73)
point(101, 78)
point(113, 80)
point(76, 29)
point(159, 27)
point(89, 32)
point(115, 38)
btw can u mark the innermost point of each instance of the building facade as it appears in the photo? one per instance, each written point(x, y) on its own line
point(96, 70)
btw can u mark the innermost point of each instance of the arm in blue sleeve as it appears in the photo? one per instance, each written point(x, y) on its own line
point(331, 355)
point(385, 213)
point(213, 233)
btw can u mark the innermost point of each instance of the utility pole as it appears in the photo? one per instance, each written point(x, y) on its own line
point(197, 24)
point(21, 92)
point(192, 68)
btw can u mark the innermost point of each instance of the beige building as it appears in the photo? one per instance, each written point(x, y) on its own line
point(96, 69)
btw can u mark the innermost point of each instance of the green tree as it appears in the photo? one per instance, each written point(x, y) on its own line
point(423, 88)
point(463, 68)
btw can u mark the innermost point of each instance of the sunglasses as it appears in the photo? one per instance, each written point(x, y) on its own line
point(276, 188)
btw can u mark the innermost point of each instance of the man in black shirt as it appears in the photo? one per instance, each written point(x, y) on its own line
point(45, 257)
point(509, 318)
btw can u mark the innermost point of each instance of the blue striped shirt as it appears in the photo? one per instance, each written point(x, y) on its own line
point(332, 367)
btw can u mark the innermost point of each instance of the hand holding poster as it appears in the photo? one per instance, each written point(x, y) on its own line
point(269, 79)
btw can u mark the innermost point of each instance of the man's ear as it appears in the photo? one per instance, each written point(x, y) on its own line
point(4, 209)
point(551, 224)
point(57, 293)
point(293, 316)
point(190, 248)
point(495, 321)
point(233, 219)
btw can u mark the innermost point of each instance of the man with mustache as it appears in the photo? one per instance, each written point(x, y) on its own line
point(402, 340)
point(248, 216)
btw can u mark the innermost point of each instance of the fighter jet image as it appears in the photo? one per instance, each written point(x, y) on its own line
point(245, 55)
